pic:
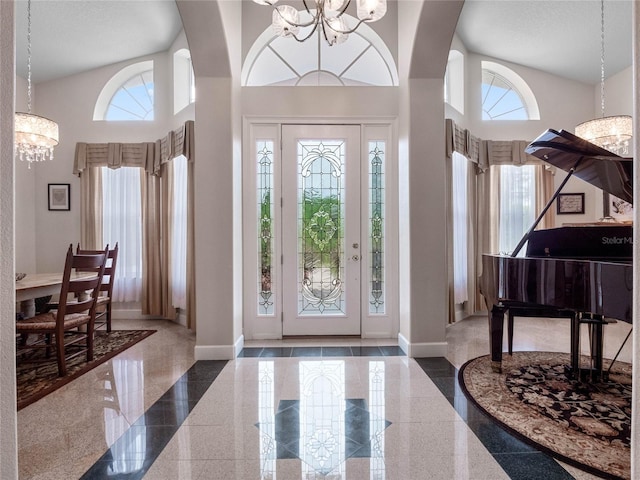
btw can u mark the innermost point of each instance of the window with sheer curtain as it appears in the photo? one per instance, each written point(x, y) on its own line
point(122, 223)
point(460, 169)
point(179, 233)
point(517, 204)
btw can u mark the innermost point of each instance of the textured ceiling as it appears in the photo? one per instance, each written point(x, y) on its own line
point(561, 36)
point(71, 36)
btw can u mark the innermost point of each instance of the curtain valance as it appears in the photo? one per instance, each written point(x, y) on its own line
point(460, 140)
point(509, 152)
point(147, 155)
point(487, 152)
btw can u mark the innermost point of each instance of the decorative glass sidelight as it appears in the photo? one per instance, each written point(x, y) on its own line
point(376, 226)
point(321, 213)
point(265, 239)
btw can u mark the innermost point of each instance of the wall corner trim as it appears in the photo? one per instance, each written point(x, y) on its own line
point(214, 352)
point(423, 350)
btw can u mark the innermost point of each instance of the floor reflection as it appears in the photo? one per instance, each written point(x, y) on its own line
point(322, 427)
point(131, 454)
point(127, 375)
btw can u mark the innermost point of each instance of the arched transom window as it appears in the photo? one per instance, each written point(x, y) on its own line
point(505, 95)
point(128, 95)
point(363, 59)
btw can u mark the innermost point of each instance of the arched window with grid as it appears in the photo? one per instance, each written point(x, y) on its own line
point(505, 95)
point(128, 95)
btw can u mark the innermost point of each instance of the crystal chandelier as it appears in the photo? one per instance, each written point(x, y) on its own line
point(35, 136)
point(611, 133)
point(328, 16)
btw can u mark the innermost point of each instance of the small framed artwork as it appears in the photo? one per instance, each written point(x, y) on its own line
point(570, 203)
point(59, 196)
point(620, 210)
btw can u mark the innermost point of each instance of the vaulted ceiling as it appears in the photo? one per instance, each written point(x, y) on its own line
point(558, 36)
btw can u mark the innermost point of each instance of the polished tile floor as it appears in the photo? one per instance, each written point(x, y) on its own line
point(307, 409)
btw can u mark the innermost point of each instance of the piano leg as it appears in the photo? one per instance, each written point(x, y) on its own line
point(575, 346)
point(496, 327)
point(597, 346)
point(595, 324)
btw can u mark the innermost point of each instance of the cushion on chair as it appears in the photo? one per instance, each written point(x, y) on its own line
point(47, 321)
point(103, 300)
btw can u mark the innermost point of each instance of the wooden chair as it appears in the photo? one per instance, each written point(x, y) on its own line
point(71, 324)
point(103, 309)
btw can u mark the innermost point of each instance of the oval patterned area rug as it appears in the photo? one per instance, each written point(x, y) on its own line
point(587, 425)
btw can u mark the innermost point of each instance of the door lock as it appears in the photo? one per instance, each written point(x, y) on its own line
point(355, 258)
point(356, 245)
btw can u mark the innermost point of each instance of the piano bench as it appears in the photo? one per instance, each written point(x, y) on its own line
point(533, 311)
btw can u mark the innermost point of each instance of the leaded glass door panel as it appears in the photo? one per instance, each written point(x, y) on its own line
point(321, 229)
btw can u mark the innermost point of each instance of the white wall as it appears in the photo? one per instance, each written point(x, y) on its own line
point(70, 102)
point(214, 225)
point(45, 235)
point(618, 90)
point(187, 113)
point(8, 432)
point(329, 102)
point(563, 103)
point(25, 207)
point(427, 239)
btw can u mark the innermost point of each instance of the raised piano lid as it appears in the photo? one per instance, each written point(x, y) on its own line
point(593, 164)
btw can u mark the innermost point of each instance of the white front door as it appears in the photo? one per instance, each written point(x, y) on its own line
point(321, 230)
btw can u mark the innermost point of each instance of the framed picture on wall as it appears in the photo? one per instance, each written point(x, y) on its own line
point(59, 196)
point(620, 210)
point(570, 203)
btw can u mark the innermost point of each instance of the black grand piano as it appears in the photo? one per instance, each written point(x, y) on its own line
point(580, 272)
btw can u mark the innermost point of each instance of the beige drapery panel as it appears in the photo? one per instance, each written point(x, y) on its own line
point(91, 209)
point(483, 212)
point(458, 139)
point(152, 158)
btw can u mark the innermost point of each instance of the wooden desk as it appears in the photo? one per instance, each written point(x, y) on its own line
point(36, 285)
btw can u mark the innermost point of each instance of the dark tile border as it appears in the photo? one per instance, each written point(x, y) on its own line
point(519, 460)
point(163, 419)
point(156, 427)
point(333, 351)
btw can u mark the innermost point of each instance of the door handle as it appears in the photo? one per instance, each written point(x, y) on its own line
point(356, 245)
point(355, 258)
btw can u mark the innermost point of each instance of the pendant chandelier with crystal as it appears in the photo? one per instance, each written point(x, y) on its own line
point(328, 16)
point(35, 136)
point(611, 133)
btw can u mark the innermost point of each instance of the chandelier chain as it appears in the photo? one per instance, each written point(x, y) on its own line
point(29, 56)
point(611, 133)
point(602, 57)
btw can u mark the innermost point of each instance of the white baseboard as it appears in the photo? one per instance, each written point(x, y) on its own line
point(422, 350)
point(239, 345)
point(403, 343)
point(136, 314)
point(214, 352)
point(378, 335)
point(265, 336)
point(130, 314)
